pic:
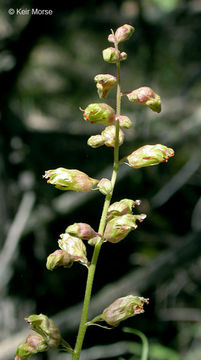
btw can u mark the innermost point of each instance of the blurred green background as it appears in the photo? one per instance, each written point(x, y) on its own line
point(47, 65)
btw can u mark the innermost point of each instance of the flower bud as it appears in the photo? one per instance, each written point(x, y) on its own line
point(111, 55)
point(65, 179)
point(146, 96)
point(123, 56)
point(149, 155)
point(124, 121)
point(108, 135)
point(124, 308)
point(96, 141)
point(111, 38)
point(119, 227)
point(124, 32)
point(93, 241)
point(105, 82)
point(81, 230)
point(46, 328)
point(33, 344)
point(58, 258)
point(74, 247)
point(105, 186)
point(121, 207)
point(99, 113)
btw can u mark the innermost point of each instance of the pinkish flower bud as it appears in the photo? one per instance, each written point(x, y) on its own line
point(124, 121)
point(65, 179)
point(99, 113)
point(46, 328)
point(108, 135)
point(96, 141)
point(74, 247)
point(111, 55)
point(58, 258)
point(105, 186)
point(123, 308)
point(33, 344)
point(105, 82)
point(111, 38)
point(149, 155)
point(119, 227)
point(124, 32)
point(146, 96)
point(81, 230)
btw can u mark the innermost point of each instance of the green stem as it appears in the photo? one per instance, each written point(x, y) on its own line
point(145, 344)
point(92, 267)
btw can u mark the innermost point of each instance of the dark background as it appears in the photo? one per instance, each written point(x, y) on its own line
point(47, 65)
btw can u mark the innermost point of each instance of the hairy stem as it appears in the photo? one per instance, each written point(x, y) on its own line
point(92, 267)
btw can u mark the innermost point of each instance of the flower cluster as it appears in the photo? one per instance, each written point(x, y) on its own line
point(121, 221)
point(107, 137)
point(45, 336)
point(72, 247)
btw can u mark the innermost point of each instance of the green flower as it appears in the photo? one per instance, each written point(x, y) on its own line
point(99, 113)
point(46, 328)
point(81, 230)
point(149, 155)
point(65, 179)
point(123, 308)
point(33, 344)
point(108, 135)
point(74, 247)
point(119, 227)
point(58, 258)
point(104, 83)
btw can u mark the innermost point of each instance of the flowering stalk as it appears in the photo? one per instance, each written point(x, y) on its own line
point(117, 219)
point(92, 267)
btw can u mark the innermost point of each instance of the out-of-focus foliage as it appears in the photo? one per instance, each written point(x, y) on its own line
point(47, 66)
